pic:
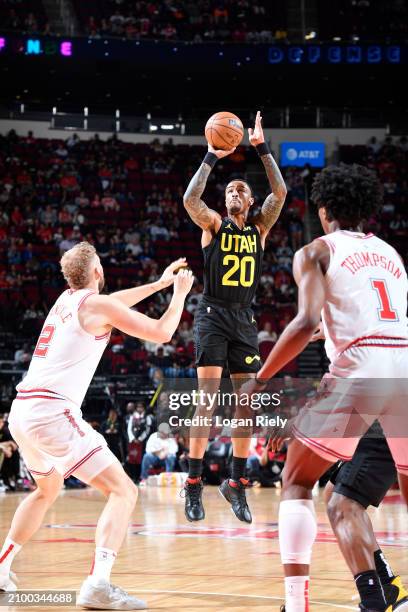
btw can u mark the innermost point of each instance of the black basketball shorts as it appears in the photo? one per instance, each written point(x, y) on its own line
point(368, 476)
point(226, 337)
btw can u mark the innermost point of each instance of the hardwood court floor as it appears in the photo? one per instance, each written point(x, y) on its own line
point(218, 564)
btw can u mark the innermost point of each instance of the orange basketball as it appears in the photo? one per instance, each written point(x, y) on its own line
point(224, 131)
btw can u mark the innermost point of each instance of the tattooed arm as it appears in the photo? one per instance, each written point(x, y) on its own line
point(274, 202)
point(204, 217)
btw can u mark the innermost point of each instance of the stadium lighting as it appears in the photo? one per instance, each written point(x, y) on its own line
point(310, 35)
point(154, 128)
point(169, 126)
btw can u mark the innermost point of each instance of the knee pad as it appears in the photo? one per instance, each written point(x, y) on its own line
point(297, 530)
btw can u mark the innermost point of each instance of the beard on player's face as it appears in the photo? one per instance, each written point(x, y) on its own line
point(237, 207)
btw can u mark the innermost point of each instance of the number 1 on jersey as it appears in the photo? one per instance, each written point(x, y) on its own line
point(44, 341)
point(385, 312)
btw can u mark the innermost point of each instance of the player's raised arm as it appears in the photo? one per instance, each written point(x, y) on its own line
point(204, 217)
point(131, 297)
point(308, 273)
point(106, 311)
point(273, 204)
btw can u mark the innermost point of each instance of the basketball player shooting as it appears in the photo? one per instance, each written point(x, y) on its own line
point(357, 283)
point(224, 326)
point(46, 419)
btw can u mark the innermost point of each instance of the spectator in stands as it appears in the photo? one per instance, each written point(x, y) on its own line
point(263, 465)
point(186, 332)
point(182, 454)
point(22, 356)
point(111, 431)
point(159, 230)
point(266, 334)
point(399, 225)
point(133, 245)
point(140, 424)
point(109, 202)
point(159, 361)
point(295, 231)
point(255, 453)
point(198, 21)
point(67, 244)
point(373, 145)
point(161, 452)
point(10, 468)
point(284, 255)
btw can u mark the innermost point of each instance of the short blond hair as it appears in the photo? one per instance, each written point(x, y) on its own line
point(76, 264)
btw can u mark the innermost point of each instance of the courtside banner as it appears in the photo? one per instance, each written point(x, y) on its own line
point(301, 153)
point(285, 407)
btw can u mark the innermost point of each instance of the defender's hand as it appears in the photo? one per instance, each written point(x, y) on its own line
point(256, 135)
point(168, 276)
point(281, 436)
point(220, 153)
point(251, 387)
point(183, 282)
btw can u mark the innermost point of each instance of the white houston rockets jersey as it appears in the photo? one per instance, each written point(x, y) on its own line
point(66, 356)
point(366, 293)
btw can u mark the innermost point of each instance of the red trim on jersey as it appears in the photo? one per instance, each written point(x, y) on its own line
point(82, 300)
point(77, 465)
point(320, 446)
point(6, 553)
point(399, 465)
point(28, 397)
point(42, 473)
point(103, 336)
point(383, 345)
point(369, 235)
point(375, 338)
point(37, 390)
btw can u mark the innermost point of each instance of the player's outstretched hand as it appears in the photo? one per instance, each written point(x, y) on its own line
point(256, 135)
point(183, 282)
point(169, 274)
point(251, 386)
point(281, 435)
point(220, 152)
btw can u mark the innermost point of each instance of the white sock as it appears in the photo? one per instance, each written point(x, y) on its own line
point(297, 594)
point(297, 533)
point(102, 564)
point(7, 554)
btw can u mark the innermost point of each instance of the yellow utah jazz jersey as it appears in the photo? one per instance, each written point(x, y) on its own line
point(233, 263)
